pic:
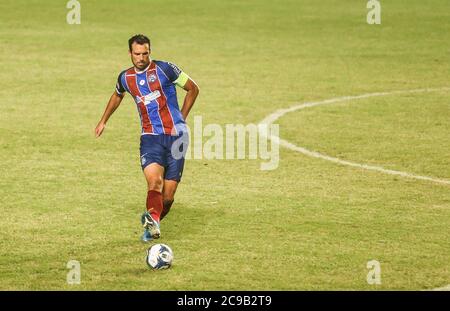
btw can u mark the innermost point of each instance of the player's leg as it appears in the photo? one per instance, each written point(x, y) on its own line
point(169, 189)
point(154, 176)
point(153, 162)
point(174, 170)
point(153, 173)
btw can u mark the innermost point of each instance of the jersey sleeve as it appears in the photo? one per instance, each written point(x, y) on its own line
point(120, 89)
point(173, 73)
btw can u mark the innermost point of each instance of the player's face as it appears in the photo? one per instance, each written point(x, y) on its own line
point(140, 55)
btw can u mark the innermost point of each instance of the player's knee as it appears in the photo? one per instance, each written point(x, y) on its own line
point(155, 183)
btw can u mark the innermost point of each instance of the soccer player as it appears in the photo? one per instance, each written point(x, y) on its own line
point(152, 83)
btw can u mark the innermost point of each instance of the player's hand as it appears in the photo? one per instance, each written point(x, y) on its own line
point(99, 129)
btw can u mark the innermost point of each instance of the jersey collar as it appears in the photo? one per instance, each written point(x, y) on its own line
point(144, 70)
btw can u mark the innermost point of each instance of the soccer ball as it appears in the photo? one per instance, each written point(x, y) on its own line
point(159, 256)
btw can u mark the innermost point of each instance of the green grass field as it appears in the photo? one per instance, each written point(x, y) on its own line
point(308, 225)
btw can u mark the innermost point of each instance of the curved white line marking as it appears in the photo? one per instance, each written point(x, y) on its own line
point(445, 288)
point(263, 126)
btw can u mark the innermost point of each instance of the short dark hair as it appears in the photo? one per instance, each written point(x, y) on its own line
point(139, 39)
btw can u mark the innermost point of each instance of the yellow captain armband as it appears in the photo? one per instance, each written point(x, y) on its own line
point(182, 79)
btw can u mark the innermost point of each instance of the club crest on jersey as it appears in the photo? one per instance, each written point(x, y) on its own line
point(152, 78)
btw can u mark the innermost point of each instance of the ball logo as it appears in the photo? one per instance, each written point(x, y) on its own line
point(142, 82)
point(152, 78)
point(159, 256)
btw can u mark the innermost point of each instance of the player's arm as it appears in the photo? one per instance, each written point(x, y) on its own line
point(192, 90)
point(113, 103)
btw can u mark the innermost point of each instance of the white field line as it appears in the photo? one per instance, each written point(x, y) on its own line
point(445, 288)
point(263, 126)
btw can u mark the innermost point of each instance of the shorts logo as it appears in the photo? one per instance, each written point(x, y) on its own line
point(143, 160)
point(152, 78)
point(142, 82)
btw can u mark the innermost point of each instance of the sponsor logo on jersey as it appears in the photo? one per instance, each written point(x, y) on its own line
point(148, 98)
point(152, 96)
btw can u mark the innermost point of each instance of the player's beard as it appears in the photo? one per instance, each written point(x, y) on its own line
point(141, 66)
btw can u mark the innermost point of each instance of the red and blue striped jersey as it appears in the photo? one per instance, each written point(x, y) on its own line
point(154, 92)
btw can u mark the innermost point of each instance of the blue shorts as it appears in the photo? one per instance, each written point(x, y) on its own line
point(166, 150)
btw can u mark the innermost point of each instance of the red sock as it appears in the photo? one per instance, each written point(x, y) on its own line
point(154, 204)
